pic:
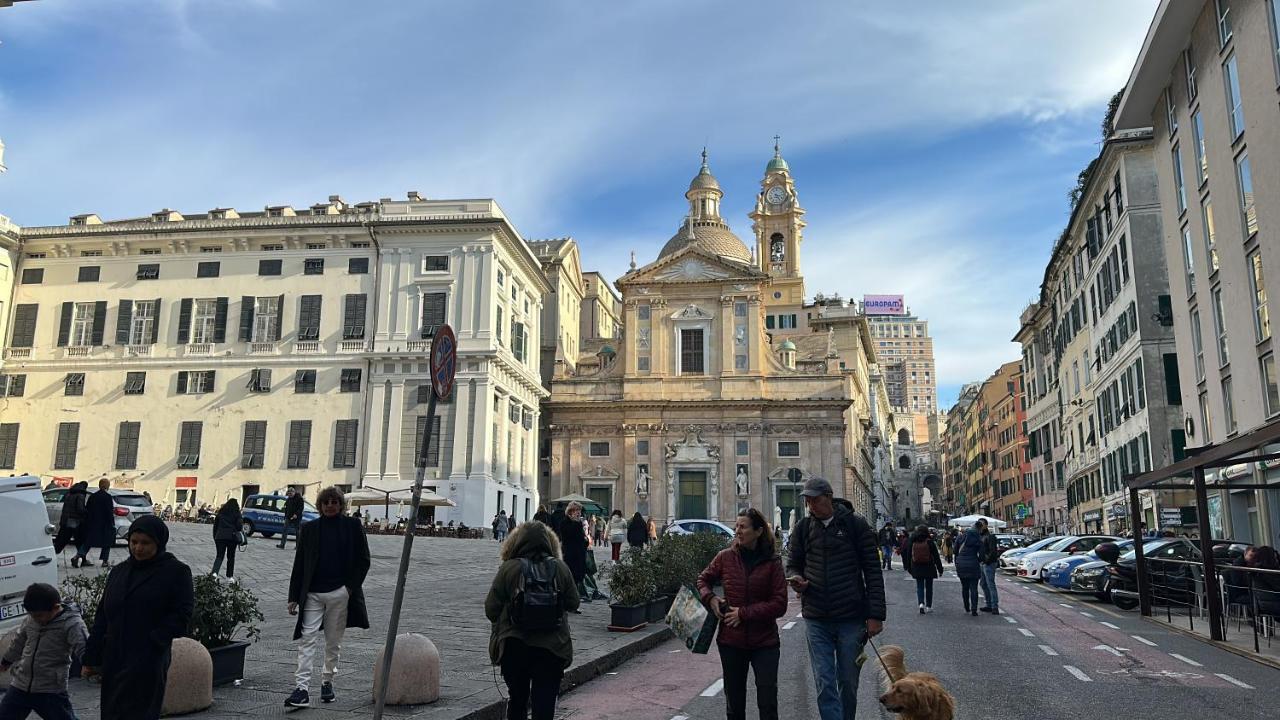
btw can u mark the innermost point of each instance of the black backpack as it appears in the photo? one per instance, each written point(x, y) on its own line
point(536, 606)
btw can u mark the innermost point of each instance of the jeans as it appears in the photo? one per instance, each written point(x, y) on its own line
point(329, 608)
point(969, 589)
point(834, 646)
point(226, 548)
point(734, 663)
point(924, 591)
point(284, 531)
point(17, 704)
point(532, 674)
point(989, 591)
point(888, 557)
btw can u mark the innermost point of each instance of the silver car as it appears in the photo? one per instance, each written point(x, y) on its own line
point(129, 506)
point(689, 527)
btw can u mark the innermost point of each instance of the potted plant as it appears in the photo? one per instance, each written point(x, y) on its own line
point(85, 591)
point(631, 587)
point(222, 609)
point(677, 560)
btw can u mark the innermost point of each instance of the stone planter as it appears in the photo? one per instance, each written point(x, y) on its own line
point(656, 610)
point(228, 662)
point(626, 618)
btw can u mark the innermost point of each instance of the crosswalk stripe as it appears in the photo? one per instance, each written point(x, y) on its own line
point(1143, 640)
point(1186, 660)
point(714, 689)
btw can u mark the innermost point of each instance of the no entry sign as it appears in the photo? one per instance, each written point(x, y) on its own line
point(444, 362)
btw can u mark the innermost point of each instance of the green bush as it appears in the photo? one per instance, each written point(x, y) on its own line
point(222, 609)
point(85, 591)
point(677, 560)
point(631, 579)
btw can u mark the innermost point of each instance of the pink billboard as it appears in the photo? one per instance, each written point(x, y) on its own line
point(883, 305)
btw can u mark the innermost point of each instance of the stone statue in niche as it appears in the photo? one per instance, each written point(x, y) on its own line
point(642, 338)
point(642, 480)
point(739, 336)
point(742, 481)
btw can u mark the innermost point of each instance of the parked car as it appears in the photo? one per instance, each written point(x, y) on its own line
point(26, 550)
point(1058, 572)
point(129, 506)
point(264, 513)
point(689, 527)
point(1175, 583)
point(1009, 559)
point(1009, 541)
point(1031, 565)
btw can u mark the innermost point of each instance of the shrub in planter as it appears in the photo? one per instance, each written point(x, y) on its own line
point(631, 587)
point(86, 592)
point(678, 559)
point(222, 609)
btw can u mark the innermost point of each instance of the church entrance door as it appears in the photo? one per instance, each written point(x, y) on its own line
point(692, 500)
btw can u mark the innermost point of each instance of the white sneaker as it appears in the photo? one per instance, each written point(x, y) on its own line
point(928, 610)
point(921, 608)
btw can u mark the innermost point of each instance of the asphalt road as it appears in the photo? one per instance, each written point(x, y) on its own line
point(1048, 655)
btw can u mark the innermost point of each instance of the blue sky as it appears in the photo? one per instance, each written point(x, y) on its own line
point(933, 143)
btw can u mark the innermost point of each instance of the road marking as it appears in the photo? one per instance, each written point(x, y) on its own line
point(1234, 681)
point(1186, 660)
point(799, 615)
point(789, 625)
point(1143, 640)
point(1048, 650)
point(1113, 627)
point(714, 689)
point(1009, 619)
point(679, 717)
point(1067, 605)
point(1026, 632)
point(1088, 615)
point(1078, 673)
point(1108, 648)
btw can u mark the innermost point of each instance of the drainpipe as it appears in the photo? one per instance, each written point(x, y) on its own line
point(377, 297)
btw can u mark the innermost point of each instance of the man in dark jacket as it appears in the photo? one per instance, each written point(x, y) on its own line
point(75, 504)
point(834, 566)
point(330, 563)
point(989, 557)
point(99, 525)
point(887, 539)
point(292, 515)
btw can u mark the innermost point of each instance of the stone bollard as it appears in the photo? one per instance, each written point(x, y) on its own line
point(189, 687)
point(415, 671)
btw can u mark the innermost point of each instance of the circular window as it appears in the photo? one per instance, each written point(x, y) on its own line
point(777, 296)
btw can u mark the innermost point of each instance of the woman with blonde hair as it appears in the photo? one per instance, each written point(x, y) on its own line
point(573, 543)
point(532, 648)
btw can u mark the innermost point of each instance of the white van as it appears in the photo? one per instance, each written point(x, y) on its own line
point(26, 546)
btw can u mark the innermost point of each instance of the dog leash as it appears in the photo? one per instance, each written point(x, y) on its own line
point(883, 664)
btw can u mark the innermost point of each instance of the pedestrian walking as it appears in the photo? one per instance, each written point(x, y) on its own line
point(99, 526)
point(589, 577)
point(573, 543)
point(887, 538)
point(40, 655)
point(832, 564)
point(75, 505)
point(511, 522)
point(330, 563)
point(148, 601)
point(924, 563)
point(543, 516)
point(500, 526)
point(226, 535)
point(618, 533)
point(653, 530)
point(948, 544)
point(755, 596)
point(530, 639)
point(637, 531)
point(292, 516)
point(969, 567)
point(989, 558)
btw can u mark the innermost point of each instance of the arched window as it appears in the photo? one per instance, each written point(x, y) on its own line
point(777, 248)
point(904, 462)
point(904, 437)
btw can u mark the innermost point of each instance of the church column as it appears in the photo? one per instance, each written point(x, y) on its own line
point(754, 360)
point(395, 425)
point(660, 363)
point(726, 336)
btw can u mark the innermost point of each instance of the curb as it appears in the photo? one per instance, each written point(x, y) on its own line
point(581, 674)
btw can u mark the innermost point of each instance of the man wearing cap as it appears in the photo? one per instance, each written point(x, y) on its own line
point(834, 565)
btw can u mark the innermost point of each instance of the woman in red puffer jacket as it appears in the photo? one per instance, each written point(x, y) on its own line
point(755, 596)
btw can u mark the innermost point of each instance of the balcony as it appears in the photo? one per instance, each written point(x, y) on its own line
point(77, 352)
point(18, 353)
point(422, 346)
point(198, 349)
point(138, 351)
point(263, 348)
point(306, 347)
point(352, 346)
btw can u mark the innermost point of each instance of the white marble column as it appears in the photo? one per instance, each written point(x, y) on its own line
point(482, 433)
point(484, 271)
point(461, 431)
point(470, 278)
point(395, 434)
point(373, 433)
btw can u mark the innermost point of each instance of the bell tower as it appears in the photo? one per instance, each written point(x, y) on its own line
point(778, 222)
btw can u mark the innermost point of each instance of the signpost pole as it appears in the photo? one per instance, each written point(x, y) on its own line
point(443, 366)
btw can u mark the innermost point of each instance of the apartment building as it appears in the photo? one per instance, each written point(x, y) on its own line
point(601, 308)
point(1044, 447)
point(218, 354)
point(906, 351)
point(1205, 84)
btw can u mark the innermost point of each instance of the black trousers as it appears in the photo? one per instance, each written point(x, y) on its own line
point(533, 677)
point(226, 548)
point(66, 536)
point(734, 663)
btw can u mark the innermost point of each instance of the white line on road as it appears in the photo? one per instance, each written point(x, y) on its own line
point(1143, 640)
point(1048, 650)
point(1234, 681)
point(1113, 627)
point(1108, 648)
point(679, 717)
point(1067, 605)
point(789, 625)
point(1186, 660)
point(1078, 673)
point(1009, 619)
point(799, 615)
point(1026, 632)
point(714, 690)
point(1088, 615)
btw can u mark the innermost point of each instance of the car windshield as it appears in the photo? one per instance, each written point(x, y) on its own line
point(132, 500)
point(1040, 544)
point(308, 507)
point(1062, 544)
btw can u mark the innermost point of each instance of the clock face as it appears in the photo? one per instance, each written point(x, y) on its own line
point(776, 195)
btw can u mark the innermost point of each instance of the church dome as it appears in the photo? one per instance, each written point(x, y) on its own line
point(776, 163)
point(714, 237)
point(788, 346)
point(704, 180)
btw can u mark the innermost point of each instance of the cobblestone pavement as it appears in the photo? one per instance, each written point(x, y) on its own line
point(444, 600)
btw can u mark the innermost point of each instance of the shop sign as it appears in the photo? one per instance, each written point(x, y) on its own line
point(187, 482)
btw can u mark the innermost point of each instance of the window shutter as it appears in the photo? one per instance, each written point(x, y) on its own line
point(309, 317)
point(24, 325)
point(124, 318)
point(279, 318)
point(433, 313)
point(210, 376)
point(182, 382)
point(184, 321)
point(353, 317)
point(155, 322)
point(17, 385)
point(99, 322)
point(220, 321)
point(246, 318)
point(64, 323)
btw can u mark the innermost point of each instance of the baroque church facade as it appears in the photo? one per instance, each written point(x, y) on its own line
point(711, 401)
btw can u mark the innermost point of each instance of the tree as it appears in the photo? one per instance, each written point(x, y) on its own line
point(1109, 120)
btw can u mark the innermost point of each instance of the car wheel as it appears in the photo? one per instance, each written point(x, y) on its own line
point(247, 527)
point(1125, 603)
point(267, 534)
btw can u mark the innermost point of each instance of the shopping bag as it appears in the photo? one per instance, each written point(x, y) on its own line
point(691, 621)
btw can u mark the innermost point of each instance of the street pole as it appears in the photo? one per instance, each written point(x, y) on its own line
point(410, 527)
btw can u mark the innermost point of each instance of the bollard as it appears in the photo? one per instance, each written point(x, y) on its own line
point(415, 671)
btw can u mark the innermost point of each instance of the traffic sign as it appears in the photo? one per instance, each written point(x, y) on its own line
point(444, 362)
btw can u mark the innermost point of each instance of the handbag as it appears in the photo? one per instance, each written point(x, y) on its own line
point(690, 620)
point(241, 538)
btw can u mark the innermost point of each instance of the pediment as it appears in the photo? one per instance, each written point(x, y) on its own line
point(691, 312)
point(600, 472)
point(691, 264)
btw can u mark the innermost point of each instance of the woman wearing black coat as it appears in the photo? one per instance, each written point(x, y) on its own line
point(637, 531)
point(924, 572)
point(573, 543)
point(147, 603)
point(226, 535)
point(74, 505)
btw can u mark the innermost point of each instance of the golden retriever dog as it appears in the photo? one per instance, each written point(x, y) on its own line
point(913, 696)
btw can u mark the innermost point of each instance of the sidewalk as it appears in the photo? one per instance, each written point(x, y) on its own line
point(444, 600)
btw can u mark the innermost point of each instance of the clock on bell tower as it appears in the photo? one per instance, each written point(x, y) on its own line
point(778, 222)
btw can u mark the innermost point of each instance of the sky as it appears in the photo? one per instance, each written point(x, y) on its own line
point(932, 143)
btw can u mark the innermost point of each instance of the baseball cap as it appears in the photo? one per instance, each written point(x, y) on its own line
point(813, 487)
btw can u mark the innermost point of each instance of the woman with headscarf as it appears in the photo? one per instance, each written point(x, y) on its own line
point(637, 531)
point(147, 603)
point(226, 535)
